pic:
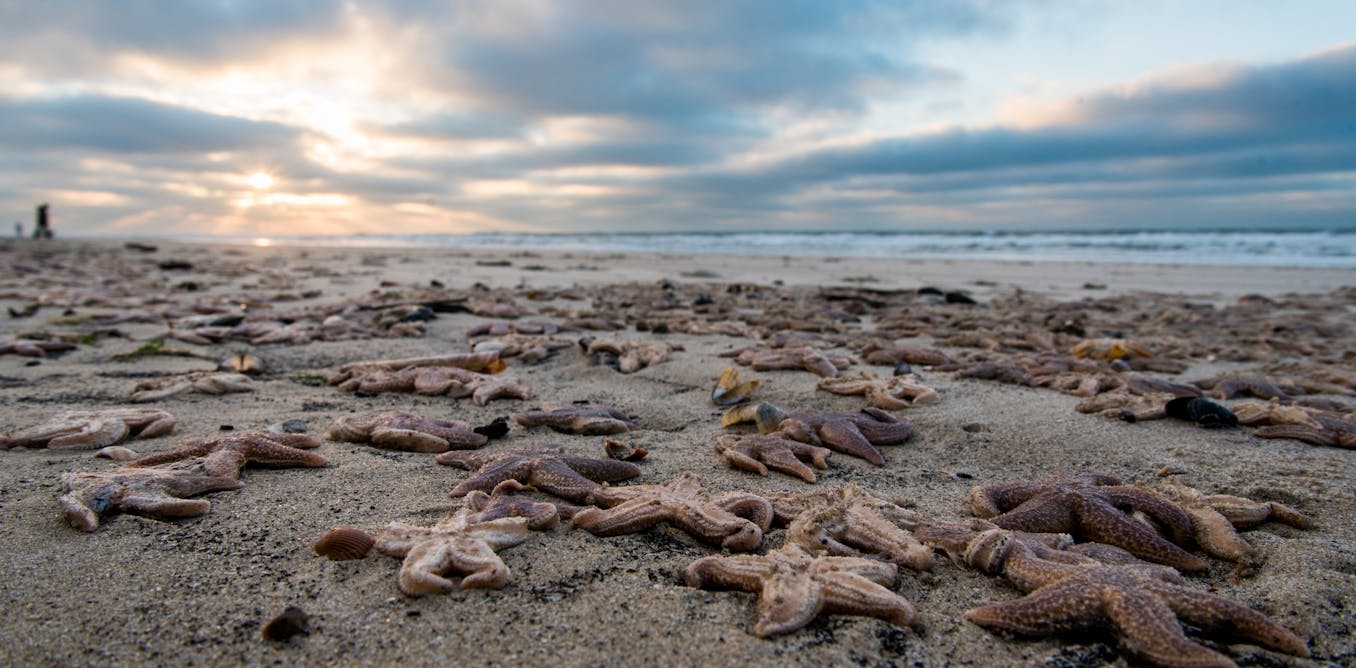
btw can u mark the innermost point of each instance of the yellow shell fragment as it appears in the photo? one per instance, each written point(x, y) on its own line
point(730, 391)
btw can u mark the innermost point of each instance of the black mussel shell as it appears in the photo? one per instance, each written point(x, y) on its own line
point(1202, 411)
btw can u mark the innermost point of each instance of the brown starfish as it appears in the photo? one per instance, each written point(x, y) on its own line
point(586, 420)
point(433, 380)
point(402, 430)
point(1333, 431)
point(253, 447)
point(735, 521)
point(891, 394)
point(34, 347)
point(550, 470)
point(92, 429)
point(808, 358)
point(1272, 412)
point(485, 361)
point(458, 543)
point(503, 502)
point(1089, 505)
point(794, 587)
point(210, 383)
point(632, 356)
point(1142, 601)
point(854, 434)
point(849, 520)
point(758, 453)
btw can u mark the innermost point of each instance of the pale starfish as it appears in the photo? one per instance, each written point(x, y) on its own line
point(1216, 518)
point(282, 450)
point(151, 492)
point(528, 349)
point(1142, 601)
point(485, 361)
point(456, 544)
point(449, 380)
point(982, 545)
point(401, 430)
point(92, 429)
point(794, 587)
point(209, 383)
point(735, 521)
point(586, 420)
point(808, 358)
point(632, 356)
point(1272, 412)
point(1090, 506)
point(850, 521)
point(758, 453)
point(854, 434)
point(891, 394)
point(34, 347)
point(550, 470)
point(158, 492)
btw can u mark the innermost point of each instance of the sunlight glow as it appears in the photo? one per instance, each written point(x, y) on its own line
point(260, 180)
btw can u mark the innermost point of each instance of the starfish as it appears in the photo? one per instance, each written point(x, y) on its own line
point(214, 465)
point(401, 430)
point(759, 452)
point(586, 420)
point(34, 347)
point(502, 502)
point(211, 383)
point(1142, 601)
point(151, 492)
point(458, 543)
point(855, 434)
point(92, 429)
point(982, 545)
point(1216, 518)
point(632, 356)
point(1333, 431)
point(282, 450)
point(808, 358)
point(1271, 413)
point(1090, 506)
point(485, 361)
point(890, 394)
point(550, 470)
point(794, 587)
point(850, 520)
point(894, 355)
point(736, 521)
point(433, 380)
point(528, 349)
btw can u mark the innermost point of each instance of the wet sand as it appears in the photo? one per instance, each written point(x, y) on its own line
point(197, 591)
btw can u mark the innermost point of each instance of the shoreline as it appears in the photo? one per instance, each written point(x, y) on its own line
point(198, 590)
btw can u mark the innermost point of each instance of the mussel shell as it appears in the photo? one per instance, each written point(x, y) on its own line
point(1202, 411)
point(344, 543)
point(291, 622)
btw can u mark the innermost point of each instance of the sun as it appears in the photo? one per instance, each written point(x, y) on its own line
point(260, 180)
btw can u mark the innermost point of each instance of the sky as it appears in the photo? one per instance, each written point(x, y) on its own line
point(258, 118)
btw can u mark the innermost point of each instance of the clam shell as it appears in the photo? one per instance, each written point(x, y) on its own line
point(344, 543)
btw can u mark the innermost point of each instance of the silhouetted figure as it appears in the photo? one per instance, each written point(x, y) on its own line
point(41, 229)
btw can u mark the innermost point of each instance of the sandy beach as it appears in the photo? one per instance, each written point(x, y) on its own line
point(197, 591)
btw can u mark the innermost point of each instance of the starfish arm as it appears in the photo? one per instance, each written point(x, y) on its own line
point(742, 572)
point(990, 500)
point(94, 434)
point(152, 503)
point(398, 538)
point(845, 437)
point(1217, 536)
point(1029, 572)
point(421, 572)
point(193, 449)
point(1062, 606)
point(1042, 514)
point(879, 536)
point(1099, 521)
point(711, 524)
point(601, 470)
point(882, 428)
point(158, 427)
point(751, 507)
point(78, 513)
point(1212, 612)
point(741, 457)
point(881, 397)
point(484, 569)
point(280, 450)
point(408, 440)
point(493, 473)
point(1150, 629)
point(849, 593)
point(784, 459)
point(628, 517)
point(466, 460)
point(555, 476)
point(789, 600)
point(1168, 514)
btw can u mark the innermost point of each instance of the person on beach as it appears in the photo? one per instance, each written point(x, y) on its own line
point(41, 229)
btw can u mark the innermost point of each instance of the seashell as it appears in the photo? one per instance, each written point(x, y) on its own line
point(1111, 349)
point(344, 543)
point(1202, 411)
point(117, 453)
point(291, 622)
point(497, 428)
point(242, 363)
point(767, 416)
point(730, 391)
point(623, 451)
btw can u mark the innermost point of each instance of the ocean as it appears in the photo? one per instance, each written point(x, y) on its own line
point(1329, 248)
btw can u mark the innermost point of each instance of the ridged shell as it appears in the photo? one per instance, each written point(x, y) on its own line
point(344, 543)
